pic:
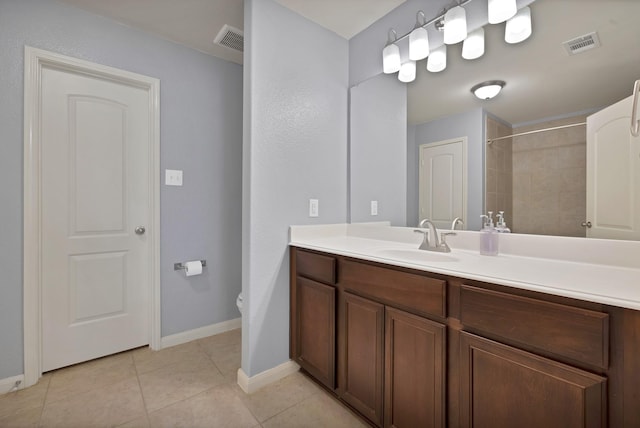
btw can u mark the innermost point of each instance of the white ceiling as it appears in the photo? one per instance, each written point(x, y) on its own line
point(542, 80)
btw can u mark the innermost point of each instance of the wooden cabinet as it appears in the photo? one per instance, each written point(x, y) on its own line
point(503, 387)
point(313, 316)
point(406, 348)
point(361, 374)
point(414, 371)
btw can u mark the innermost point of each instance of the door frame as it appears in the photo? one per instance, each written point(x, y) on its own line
point(465, 173)
point(34, 61)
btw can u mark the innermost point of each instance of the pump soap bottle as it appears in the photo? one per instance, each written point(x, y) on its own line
point(488, 236)
point(501, 225)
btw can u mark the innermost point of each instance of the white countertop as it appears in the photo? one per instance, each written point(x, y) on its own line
point(596, 270)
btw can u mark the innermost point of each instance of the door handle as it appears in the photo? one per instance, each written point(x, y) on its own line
point(140, 230)
point(586, 224)
point(635, 123)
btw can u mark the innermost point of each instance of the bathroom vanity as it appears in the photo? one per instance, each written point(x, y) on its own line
point(417, 339)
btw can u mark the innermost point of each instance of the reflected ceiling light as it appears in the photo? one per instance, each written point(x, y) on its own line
point(391, 55)
point(518, 28)
point(419, 39)
point(455, 25)
point(437, 60)
point(489, 89)
point(501, 10)
point(473, 45)
point(407, 72)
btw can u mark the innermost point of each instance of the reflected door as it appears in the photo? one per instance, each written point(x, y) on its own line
point(613, 174)
point(96, 193)
point(443, 182)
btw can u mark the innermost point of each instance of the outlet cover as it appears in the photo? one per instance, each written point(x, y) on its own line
point(374, 207)
point(173, 177)
point(314, 207)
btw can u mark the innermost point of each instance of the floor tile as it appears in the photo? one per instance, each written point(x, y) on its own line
point(147, 360)
point(91, 375)
point(27, 398)
point(319, 410)
point(25, 417)
point(218, 407)
point(178, 381)
point(105, 407)
point(279, 396)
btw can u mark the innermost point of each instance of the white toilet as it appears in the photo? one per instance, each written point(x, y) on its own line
point(239, 303)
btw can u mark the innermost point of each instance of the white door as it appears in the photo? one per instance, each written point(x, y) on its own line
point(613, 174)
point(443, 182)
point(95, 193)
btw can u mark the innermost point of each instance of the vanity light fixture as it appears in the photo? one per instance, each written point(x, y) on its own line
point(518, 28)
point(453, 22)
point(489, 89)
point(419, 39)
point(501, 10)
point(391, 54)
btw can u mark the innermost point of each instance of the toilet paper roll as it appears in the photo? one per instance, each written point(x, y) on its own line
point(193, 268)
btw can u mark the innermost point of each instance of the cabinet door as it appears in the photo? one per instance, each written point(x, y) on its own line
point(504, 387)
point(414, 372)
point(361, 377)
point(315, 342)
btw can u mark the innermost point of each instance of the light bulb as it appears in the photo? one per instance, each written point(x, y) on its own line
point(501, 10)
point(518, 28)
point(473, 45)
point(391, 58)
point(437, 60)
point(418, 44)
point(455, 25)
point(407, 72)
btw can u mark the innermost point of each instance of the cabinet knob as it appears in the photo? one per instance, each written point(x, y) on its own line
point(586, 224)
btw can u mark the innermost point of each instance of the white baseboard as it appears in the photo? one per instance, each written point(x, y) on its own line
point(9, 384)
point(254, 383)
point(200, 333)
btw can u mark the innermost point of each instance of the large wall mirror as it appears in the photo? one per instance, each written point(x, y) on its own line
point(538, 179)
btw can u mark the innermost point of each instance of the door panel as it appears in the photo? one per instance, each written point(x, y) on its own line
point(95, 190)
point(613, 174)
point(442, 187)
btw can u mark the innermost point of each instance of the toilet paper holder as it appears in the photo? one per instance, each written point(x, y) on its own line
point(181, 265)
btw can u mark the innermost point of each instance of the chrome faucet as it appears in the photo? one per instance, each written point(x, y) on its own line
point(455, 222)
point(431, 241)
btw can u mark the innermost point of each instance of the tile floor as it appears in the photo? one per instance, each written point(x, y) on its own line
point(190, 385)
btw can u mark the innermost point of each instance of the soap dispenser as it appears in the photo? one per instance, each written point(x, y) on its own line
point(488, 236)
point(501, 225)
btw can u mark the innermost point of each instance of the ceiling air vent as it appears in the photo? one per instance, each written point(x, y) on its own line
point(582, 43)
point(231, 38)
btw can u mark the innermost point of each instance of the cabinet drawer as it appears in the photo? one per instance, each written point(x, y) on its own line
point(316, 266)
point(579, 334)
point(416, 293)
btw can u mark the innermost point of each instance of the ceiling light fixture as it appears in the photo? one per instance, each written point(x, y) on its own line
point(501, 10)
point(453, 22)
point(419, 39)
point(391, 54)
point(489, 89)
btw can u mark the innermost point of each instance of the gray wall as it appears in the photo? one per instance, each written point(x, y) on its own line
point(201, 133)
point(470, 124)
point(378, 150)
point(295, 148)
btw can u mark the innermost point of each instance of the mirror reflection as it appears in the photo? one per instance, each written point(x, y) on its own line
point(538, 179)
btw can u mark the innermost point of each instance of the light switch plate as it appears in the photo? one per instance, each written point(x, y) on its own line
point(173, 177)
point(374, 207)
point(314, 207)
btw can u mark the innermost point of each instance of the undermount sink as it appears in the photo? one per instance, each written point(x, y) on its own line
point(420, 256)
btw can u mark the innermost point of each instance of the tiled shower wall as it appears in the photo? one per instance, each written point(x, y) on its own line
point(549, 179)
point(499, 194)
